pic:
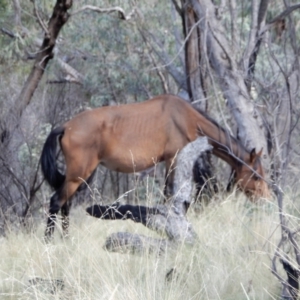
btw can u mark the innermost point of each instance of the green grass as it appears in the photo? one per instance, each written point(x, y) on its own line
point(231, 260)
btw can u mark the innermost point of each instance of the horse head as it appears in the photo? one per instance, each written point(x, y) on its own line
point(250, 177)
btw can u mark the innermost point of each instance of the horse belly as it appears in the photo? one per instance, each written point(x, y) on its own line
point(128, 163)
point(134, 158)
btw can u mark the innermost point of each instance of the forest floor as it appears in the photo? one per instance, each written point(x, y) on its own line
point(231, 259)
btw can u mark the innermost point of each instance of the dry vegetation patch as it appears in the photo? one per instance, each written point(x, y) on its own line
point(231, 260)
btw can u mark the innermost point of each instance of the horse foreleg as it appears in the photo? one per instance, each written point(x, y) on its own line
point(169, 179)
point(231, 181)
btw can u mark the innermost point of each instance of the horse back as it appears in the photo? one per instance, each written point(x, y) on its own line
point(132, 135)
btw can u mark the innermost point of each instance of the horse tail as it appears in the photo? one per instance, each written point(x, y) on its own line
point(48, 159)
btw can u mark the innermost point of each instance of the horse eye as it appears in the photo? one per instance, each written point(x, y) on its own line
point(248, 193)
point(255, 177)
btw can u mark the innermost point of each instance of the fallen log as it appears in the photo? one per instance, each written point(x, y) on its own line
point(126, 242)
point(161, 218)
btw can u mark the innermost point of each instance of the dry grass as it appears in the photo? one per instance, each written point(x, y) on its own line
point(230, 261)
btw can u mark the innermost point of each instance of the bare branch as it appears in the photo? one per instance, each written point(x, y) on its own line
point(222, 46)
point(177, 7)
point(276, 255)
point(42, 24)
point(178, 35)
point(160, 74)
point(21, 185)
point(253, 33)
point(254, 42)
point(118, 9)
point(17, 10)
point(284, 14)
point(72, 75)
point(233, 24)
point(166, 60)
point(263, 6)
point(8, 32)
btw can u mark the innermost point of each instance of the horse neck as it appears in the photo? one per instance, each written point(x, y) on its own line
point(224, 145)
point(231, 154)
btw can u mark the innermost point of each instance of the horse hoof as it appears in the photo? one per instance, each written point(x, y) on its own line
point(48, 238)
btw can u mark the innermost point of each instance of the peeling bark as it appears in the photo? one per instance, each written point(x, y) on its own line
point(252, 49)
point(125, 242)
point(193, 49)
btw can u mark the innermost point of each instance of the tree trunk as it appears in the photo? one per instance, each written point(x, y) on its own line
point(58, 19)
point(193, 61)
point(221, 58)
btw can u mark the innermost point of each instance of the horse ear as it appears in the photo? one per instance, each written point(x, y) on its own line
point(260, 152)
point(252, 155)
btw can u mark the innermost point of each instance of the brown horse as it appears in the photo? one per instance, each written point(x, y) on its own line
point(133, 137)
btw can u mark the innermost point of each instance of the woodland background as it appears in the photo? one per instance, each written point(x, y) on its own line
point(238, 60)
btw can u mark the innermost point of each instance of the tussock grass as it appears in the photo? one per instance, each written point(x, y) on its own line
point(231, 260)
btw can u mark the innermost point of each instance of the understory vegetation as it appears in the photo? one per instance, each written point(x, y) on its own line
point(231, 259)
point(237, 61)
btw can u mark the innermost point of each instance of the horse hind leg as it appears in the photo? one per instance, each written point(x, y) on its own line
point(60, 201)
point(53, 210)
point(75, 175)
point(65, 211)
point(69, 189)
